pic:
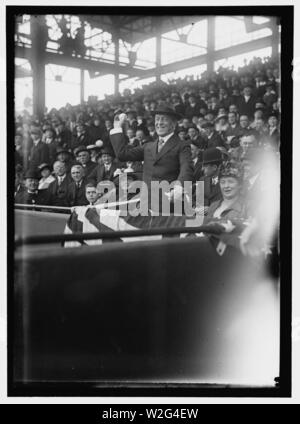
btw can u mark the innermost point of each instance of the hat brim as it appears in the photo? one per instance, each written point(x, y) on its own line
point(176, 115)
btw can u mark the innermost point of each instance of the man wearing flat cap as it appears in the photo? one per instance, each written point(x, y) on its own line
point(31, 195)
point(166, 159)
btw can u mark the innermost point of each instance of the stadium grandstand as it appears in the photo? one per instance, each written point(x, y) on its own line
point(105, 107)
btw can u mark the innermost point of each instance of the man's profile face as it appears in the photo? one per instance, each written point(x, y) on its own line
point(192, 133)
point(31, 184)
point(195, 151)
point(164, 125)
point(91, 194)
point(77, 173)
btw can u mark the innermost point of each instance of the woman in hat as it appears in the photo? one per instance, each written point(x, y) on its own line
point(46, 177)
point(231, 206)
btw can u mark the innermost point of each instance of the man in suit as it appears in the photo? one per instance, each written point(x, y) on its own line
point(83, 157)
point(76, 189)
point(213, 138)
point(212, 159)
point(105, 170)
point(39, 152)
point(246, 104)
point(166, 159)
point(31, 195)
point(58, 189)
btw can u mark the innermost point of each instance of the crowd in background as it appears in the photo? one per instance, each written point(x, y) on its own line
point(231, 119)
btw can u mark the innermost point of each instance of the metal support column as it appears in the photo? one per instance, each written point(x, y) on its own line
point(39, 37)
point(82, 85)
point(275, 38)
point(158, 52)
point(117, 54)
point(211, 23)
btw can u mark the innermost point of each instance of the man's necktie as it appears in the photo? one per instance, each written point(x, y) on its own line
point(160, 144)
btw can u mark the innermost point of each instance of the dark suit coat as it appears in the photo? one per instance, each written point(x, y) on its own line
point(58, 194)
point(98, 173)
point(198, 173)
point(89, 167)
point(39, 198)
point(76, 197)
point(38, 154)
point(247, 108)
point(212, 193)
point(215, 141)
point(172, 163)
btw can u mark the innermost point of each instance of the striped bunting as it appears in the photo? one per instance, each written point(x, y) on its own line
point(91, 219)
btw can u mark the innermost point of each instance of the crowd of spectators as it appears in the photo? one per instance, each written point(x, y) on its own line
point(231, 119)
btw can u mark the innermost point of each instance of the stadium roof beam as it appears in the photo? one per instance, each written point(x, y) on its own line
point(216, 55)
point(82, 63)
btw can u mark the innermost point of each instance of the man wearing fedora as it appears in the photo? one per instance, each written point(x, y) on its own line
point(31, 195)
point(213, 138)
point(212, 159)
point(166, 159)
point(39, 152)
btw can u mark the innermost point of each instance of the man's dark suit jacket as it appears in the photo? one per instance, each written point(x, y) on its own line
point(215, 141)
point(172, 163)
point(41, 197)
point(58, 193)
point(89, 167)
point(247, 108)
point(76, 196)
point(99, 174)
point(212, 192)
point(39, 154)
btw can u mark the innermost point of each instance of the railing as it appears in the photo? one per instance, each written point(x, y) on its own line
point(43, 208)
point(165, 231)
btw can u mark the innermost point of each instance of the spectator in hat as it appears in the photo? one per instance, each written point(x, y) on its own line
point(46, 177)
point(231, 205)
point(65, 156)
point(197, 155)
point(76, 189)
point(192, 108)
point(82, 155)
point(235, 151)
point(177, 103)
point(31, 195)
point(212, 159)
point(39, 152)
point(194, 135)
point(63, 134)
point(167, 159)
point(234, 129)
point(221, 124)
point(213, 138)
point(105, 170)
point(81, 137)
point(58, 189)
point(51, 142)
point(182, 134)
point(271, 139)
point(246, 104)
point(96, 130)
point(94, 149)
point(244, 125)
point(142, 137)
point(224, 99)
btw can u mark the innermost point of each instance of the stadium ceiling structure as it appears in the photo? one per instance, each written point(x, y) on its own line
point(58, 39)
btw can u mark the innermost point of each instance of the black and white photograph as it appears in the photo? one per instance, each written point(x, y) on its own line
point(149, 200)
